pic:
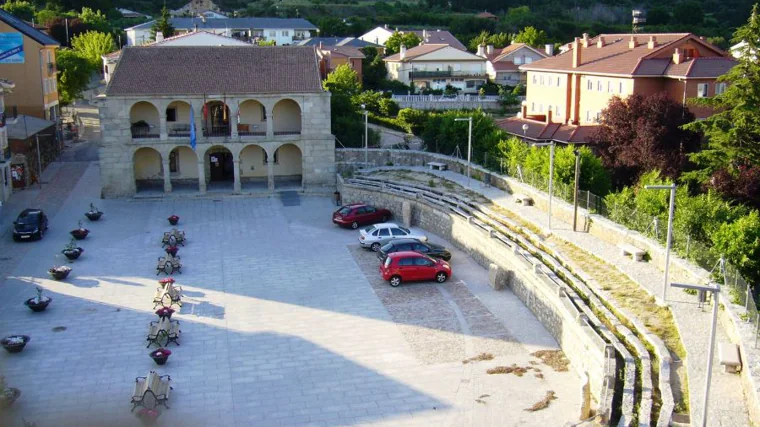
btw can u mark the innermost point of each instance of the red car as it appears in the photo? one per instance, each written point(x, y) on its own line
point(409, 266)
point(359, 214)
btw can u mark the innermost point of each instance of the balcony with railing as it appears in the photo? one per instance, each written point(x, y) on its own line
point(222, 130)
point(143, 132)
point(446, 73)
point(178, 130)
point(251, 129)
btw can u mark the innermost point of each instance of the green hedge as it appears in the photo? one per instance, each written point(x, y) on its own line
point(389, 122)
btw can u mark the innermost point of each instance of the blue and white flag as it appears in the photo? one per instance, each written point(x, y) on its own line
point(192, 127)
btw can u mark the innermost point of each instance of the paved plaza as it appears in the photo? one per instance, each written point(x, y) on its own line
point(285, 323)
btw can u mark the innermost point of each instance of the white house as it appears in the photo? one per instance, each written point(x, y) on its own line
point(435, 66)
point(283, 31)
point(380, 35)
point(198, 38)
point(503, 64)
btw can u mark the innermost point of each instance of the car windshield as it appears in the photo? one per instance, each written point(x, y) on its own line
point(387, 248)
point(406, 230)
point(388, 261)
point(344, 211)
point(370, 229)
point(28, 218)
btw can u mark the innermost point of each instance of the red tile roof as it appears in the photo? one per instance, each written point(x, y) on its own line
point(617, 58)
point(542, 131)
point(416, 51)
point(347, 51)
point(439, 37)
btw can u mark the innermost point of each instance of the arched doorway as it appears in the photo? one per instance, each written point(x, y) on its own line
point(147, 168)
point(253, 119)
point(287, 117)
point(183, 169)
point(144, 120)
point(216, 119)
point(254, 169)
point(220, 169)
point(178, 119)
point(288, 167)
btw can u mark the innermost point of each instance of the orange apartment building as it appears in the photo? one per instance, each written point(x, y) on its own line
point(28, 59)
point(567, 93)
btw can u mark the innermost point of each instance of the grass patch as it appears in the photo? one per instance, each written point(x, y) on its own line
point(554, 358)
point(479, 358)
point(543, 403)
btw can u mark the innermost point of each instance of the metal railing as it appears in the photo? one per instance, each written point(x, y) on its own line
point(287, 132)
point(178, 129)
point(143, 132)
point(445, 73)
point(443, 98)
point(223, 130)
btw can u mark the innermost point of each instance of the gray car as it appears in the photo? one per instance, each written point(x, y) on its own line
point(376, 236)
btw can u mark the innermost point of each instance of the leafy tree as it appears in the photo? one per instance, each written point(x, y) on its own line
point(373, 68)
point(266, 43)
point(689, 12)
point(394, 42)
point(415, 120)
point(332, 26)
point(370, 100)
point(519, 17)
point(733, 132)
point(742, 186)
point(498, 40)
point(20, 8)
point(96, 20)
point(388, 107)
point(343, 80)
point(739, 241)
point(92, 45)
point(658, 15)
point(532, 37)
point(346, 121)
point(162, 24)
point(57, 29)
point(73, 74)
point(642, 133)
point(442, 134)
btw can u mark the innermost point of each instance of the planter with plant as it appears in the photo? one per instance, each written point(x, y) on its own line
point(8, 395)
point(148, 416)
point(80, 233)
point(15, 343)
point(166, 281)
point(172, 250)
point(165, 312)
point(71, 250)
point(59, 272)
point(160, 356)
point(38, 303)
point(173, 220)
point(94, 213)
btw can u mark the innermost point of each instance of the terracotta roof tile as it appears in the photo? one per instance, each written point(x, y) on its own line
point(541, 131)
point(193, 70)
point(440, 37)
point(347, 51)
point(416, 51)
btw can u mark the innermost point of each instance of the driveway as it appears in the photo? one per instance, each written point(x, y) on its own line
point(284, 323)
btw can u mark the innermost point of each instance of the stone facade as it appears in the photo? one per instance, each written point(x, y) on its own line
point(310, 133)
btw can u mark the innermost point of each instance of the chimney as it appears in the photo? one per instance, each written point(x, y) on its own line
point(576, 53)
point(320, 45)
point(489, 49)
point(159, 36)
point(600, 42)
point(632, 43)
point(585, 39)
point(549, 115)
point(386, 26)
point(424, 35)
point(481, 51)
point(402, 51)
point(677, 57)
point(652, 42)
point(524, 110)
point(549, 49)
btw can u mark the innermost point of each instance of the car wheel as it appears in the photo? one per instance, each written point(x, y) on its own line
point(441, 277)
point(375, 247)
point(354, 225)
point(395, 281)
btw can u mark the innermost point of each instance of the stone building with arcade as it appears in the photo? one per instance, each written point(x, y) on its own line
point(261, 121)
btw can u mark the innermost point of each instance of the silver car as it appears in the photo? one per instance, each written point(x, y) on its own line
point(376, 236)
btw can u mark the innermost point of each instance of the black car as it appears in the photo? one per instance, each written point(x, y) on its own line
point(398, 245)
point(30, 223)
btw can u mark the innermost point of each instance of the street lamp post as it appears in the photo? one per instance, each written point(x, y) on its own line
point(715, 289)
point(577, 182)
point(525, 132)
point(366, 138)
point(672, 188)
point(469, 144)
point(551, 175)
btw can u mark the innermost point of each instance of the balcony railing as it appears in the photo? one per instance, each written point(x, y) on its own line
point(178, 129)
point(447, 73)
point(143, 132)
point(223, 130)
point(245, 129)
point(287, 132)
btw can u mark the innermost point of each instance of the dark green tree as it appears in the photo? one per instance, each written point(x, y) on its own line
point(394, 42)
point(20, 8)
point(373, 68)
point(73, 74)
point(162, 24)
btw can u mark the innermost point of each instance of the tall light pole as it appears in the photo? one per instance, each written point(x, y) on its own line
point(577, 183)
point(469, 144)
point(672, 188)
point(551, 175)
point(366, 137)
point(715, 289)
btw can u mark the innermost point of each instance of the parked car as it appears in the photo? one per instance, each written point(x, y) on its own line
point(30, 223)
point(426, 248)
point(360, 214)
point(407, 266)
point(376, 236)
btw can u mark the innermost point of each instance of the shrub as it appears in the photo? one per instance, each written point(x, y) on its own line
point(414, 120)
point(388, 107)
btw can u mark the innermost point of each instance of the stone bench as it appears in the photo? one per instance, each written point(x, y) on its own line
point(728, 355)
point(438, 166)
point(635, 253)
point(523, 199)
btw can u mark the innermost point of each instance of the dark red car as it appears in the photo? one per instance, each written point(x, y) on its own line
point(410, 266)
point(360, 214)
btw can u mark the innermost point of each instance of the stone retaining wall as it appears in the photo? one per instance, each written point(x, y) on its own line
point(586, 350)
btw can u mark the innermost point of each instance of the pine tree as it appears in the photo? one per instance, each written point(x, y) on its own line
point(163, 24)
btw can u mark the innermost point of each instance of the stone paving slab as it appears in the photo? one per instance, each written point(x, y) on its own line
point(280, 326)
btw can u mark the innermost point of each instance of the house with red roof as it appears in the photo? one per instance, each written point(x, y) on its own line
point(503, 66)
point(435, 66)
point(569, 91)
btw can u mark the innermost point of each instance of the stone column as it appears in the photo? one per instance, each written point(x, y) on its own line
point(270, 173)
point(202, 176)
point(162, 126)
point(233, 121)
point(270, 125)
point(167, 176)
point(236, 170)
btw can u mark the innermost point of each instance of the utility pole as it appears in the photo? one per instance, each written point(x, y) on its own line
point(577, 183)
point(551, 175)
point(67, 31)
point(672, 188)
point(469, 144)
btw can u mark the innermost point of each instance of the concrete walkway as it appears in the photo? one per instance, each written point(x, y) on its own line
point(727, 405)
